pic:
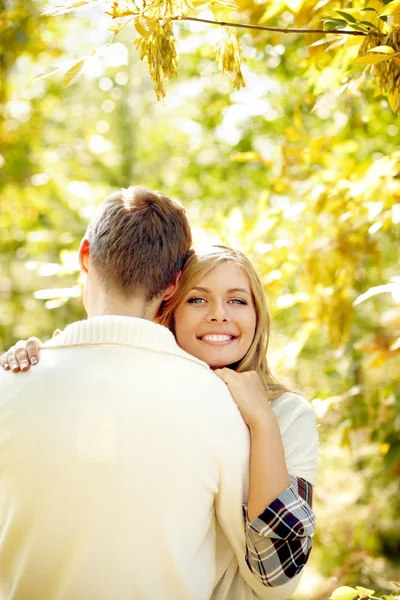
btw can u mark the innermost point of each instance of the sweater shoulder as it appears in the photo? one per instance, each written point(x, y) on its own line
point(290, 407)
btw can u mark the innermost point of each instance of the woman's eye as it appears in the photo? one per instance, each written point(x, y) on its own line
point(237, 301)
point(196, 300)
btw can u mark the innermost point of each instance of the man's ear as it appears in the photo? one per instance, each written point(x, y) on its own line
point(84, 252)
point(172, 287)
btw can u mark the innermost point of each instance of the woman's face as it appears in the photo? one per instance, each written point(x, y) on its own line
point(216, 321)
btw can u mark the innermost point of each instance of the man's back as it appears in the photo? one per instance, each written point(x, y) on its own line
point(111, 455)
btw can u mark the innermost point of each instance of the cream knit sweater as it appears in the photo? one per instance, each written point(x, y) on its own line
point(117, 452)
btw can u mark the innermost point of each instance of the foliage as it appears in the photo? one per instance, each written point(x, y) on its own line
point(377, 22)
point(300, 169)
point(360, 593)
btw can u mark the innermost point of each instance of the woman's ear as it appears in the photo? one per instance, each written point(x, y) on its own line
point(172, 287)
point(84, 251)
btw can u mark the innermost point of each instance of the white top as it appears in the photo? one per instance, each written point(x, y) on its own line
point(116, 453)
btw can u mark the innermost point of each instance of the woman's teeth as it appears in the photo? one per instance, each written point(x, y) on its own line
point(217, 338)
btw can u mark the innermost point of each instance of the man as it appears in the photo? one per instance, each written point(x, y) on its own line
point(118, 448)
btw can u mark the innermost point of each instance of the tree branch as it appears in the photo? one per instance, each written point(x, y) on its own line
point(263, 28)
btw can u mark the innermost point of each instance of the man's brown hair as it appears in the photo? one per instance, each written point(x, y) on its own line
point(139, 241)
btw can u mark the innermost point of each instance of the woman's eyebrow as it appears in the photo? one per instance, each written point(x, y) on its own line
point(231, 291)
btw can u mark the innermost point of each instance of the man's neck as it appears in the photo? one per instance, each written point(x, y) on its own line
point(134, 307)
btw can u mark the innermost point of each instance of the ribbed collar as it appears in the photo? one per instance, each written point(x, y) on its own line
point(121, 331)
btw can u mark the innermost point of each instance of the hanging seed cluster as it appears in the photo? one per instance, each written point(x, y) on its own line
point(167, 9)
point(386, 73)
point(228, 55)
point(159, 49)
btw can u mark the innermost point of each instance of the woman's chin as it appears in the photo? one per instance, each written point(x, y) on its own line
point(219, 363)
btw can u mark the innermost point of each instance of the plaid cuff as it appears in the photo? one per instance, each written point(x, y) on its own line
point(289, 517)
point(279, 540)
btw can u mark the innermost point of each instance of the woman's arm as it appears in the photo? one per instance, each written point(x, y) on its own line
point(268, 472)
point(279, 520)
point(279, 541)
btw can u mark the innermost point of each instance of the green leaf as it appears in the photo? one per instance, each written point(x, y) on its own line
point(365, 9)
point(73, 73)
point(349, 18)
point(332, 24)
point(344, 593)
point(364, 591)
point(392, 458)
point(357, 27)
point(368, 24)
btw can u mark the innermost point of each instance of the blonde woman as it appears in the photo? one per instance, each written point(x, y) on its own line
point(219, 314)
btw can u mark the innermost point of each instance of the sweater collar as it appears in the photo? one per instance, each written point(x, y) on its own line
point(121, 331)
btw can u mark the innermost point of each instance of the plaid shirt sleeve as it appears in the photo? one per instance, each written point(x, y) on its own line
point(278, 542)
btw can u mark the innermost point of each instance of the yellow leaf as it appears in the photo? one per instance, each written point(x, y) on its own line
point(44, 75)
point(145, 27)
point(382, 49)
point(383, 449)
point(379, 361)
point(294, 5)
point(392, 9)
point(62, 9)
point(117, 13)
point(73, 73)
point(246, 157)
point(115, 28)
point(215, 4)
point(394, 100)
point(353, 40)
point(372, 59)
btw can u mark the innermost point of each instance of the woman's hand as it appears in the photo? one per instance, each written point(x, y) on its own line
point(24, 354)
point(21, 356)
point(250, 396)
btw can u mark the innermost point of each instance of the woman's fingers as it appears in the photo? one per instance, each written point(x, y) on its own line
point(4, 362)
point(33, 347)
point(21, 356)
point(224, 374)
point(18, 359)
point(11, 361)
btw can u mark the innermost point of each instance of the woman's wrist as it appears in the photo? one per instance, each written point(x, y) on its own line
point(263, 423)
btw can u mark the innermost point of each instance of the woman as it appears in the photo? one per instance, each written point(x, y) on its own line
point(219, 314)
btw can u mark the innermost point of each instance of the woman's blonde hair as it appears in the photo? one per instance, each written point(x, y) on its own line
point(197, 266)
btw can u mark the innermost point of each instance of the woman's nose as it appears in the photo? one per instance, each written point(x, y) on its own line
point(217, 314)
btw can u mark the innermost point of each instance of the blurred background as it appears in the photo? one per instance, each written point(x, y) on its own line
point(300, 170)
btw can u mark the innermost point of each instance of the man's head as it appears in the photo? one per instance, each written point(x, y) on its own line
point(136, 245)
